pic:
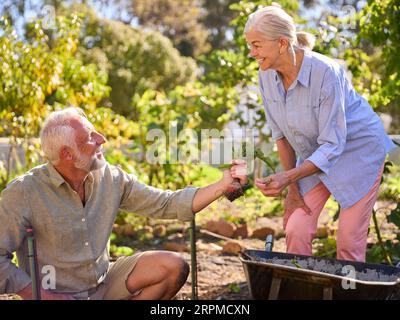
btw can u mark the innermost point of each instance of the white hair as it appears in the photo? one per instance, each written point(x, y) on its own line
point(274, 23)
point(57, 132)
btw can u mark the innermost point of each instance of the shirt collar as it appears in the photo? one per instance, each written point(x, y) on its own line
point(57, 179)
point(54, 175)
point(304, 73)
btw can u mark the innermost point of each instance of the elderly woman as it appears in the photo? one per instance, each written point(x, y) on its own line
point(316, 116)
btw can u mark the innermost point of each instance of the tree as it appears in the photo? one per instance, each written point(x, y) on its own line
point(217, 20)
point(135, 60)
point(179, 20)
point(37, 78)
point(364, 40)
point(379, 24)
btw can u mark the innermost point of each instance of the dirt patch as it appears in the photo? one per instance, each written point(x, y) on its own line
point(220, 276)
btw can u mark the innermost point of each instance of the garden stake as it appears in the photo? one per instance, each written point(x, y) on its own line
point(33, 266)
point(193, 259)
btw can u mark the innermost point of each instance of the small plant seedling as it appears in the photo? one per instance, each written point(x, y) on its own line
point(236, 190)
point(296, 264)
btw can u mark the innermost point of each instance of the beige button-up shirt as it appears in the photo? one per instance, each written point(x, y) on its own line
point(72, 237)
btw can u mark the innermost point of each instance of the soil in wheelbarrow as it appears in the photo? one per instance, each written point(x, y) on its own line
point(333, 267)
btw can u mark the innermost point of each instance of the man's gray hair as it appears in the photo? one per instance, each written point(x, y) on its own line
point(57, 132)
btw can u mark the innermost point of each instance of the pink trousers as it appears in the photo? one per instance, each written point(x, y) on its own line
point(353, 224)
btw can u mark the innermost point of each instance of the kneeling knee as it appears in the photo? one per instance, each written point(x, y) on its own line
point(183, 273)
point(180, 271)
point(177, 269)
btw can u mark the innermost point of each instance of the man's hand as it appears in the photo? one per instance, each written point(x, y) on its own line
point(237, 171)
point(273, 185)
point(26, 294)
point(293, 201)
point(205, 195)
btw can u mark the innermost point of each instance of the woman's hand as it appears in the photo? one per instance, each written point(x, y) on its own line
point(293, 201)
point(273, 185)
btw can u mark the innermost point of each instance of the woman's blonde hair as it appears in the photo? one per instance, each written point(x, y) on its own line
point(273, 22)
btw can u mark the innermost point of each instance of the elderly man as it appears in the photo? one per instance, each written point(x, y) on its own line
point(71, 203)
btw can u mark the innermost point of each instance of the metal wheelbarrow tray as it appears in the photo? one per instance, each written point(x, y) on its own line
point(274, 275)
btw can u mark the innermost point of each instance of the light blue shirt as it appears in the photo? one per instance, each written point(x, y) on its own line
point(328, 123)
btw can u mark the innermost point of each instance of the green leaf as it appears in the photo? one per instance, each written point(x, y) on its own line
point(234, 288)
point(225, 166)
point(394, 216)
point(296, 264)
point(337, 213)
point(268, 161)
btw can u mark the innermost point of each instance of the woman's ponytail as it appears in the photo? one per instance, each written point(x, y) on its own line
point(305, 40)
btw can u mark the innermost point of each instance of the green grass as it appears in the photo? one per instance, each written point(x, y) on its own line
point(208, 175)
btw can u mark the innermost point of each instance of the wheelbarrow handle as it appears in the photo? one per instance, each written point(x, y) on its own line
point(269, 243)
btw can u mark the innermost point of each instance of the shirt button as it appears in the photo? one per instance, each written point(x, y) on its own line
point(86, 244)
point(83, 219)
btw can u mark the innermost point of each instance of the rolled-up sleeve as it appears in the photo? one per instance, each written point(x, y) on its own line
point(156, 203)
point(14, 217)
point(276, 132)
point(331, 122)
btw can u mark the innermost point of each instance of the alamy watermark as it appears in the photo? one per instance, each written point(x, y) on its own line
point(49, 278)
point(349, 281)
point(348, 21)
point(48, 14)
point(209, 146)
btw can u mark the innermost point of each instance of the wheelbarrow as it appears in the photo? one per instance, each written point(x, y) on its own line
point(275, 275)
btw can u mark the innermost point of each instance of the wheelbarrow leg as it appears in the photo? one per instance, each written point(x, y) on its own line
point(274, 289)
point(327, 295)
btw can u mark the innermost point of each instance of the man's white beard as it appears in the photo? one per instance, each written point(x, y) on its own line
point(89, 164)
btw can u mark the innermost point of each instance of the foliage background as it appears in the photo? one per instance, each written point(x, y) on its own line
point(138, 65)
